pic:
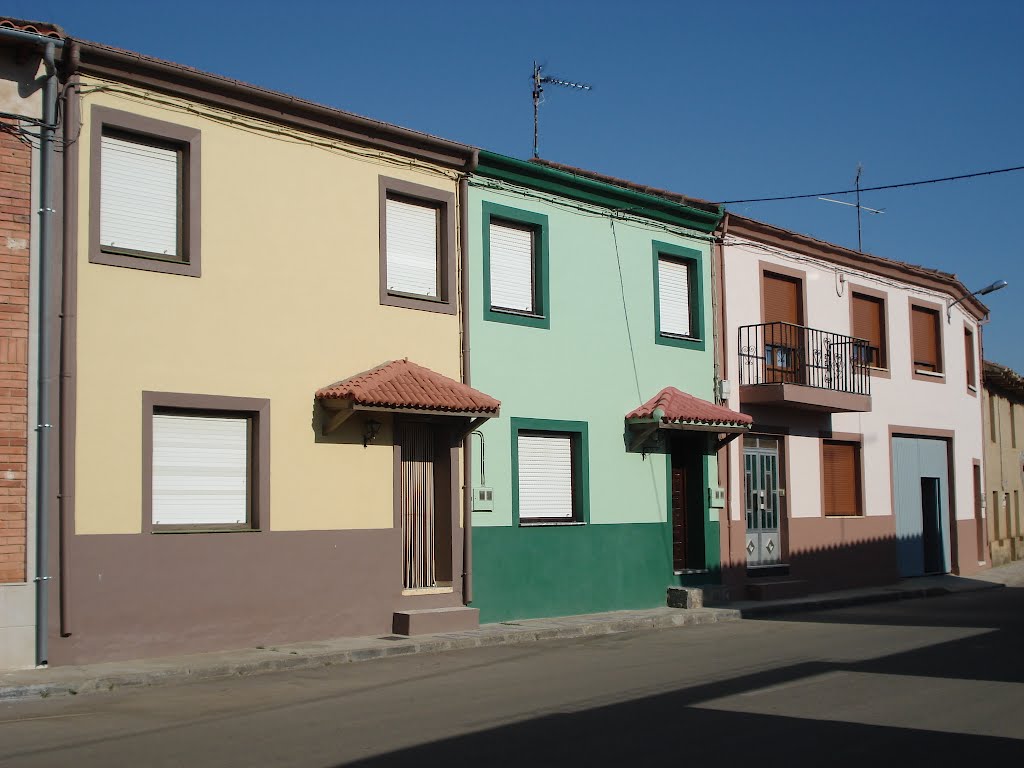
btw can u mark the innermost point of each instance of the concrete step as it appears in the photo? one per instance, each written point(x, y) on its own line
point(705, 595)
point(777, 589)
point(427, 621)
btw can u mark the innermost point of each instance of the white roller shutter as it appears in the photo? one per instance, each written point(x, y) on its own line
point(674, 297)
point(138, 197)
point(412, 247)
point(511, 263)
point(200, 470)
point(545, 477)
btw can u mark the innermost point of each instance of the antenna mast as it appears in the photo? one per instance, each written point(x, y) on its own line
point(539, 78)
point(857, 205)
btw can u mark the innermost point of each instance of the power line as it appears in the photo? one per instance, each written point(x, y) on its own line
point(876, 189)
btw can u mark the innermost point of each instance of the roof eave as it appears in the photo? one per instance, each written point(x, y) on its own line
point(546, 179)
point(215, 90)
point(922, 276)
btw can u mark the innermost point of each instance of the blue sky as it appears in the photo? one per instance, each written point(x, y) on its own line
point(720, 101)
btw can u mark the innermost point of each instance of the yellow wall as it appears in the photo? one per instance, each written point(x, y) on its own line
point(1004, 478)
point(288, 302)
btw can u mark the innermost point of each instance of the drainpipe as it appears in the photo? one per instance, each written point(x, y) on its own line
point(467, 440)
point(43, 426)
point(722, 372)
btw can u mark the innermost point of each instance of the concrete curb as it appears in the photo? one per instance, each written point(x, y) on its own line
point(109, 676)
point(97, 678)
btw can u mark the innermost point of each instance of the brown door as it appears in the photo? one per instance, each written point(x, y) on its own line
point(679, 522)
point(783, 332)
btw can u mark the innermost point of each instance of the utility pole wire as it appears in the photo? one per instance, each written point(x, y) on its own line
point(875, 189)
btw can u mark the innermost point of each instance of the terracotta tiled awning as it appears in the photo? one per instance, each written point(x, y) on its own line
point(672, 408)
point(400, 385)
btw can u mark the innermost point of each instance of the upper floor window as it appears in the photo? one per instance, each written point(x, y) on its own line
point(926, 340)
point(144, 185)
point(417, 233)
point(677, 296)
point(971, 355)
point(515, 266)
point(868, 314)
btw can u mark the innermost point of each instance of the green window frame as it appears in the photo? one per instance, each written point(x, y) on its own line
point(577, 430)
point(694, 261)
point(538, 223)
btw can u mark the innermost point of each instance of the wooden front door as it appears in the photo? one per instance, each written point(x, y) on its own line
point(679, 520)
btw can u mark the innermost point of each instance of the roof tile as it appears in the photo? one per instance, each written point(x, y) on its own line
point(404, 385)
point(680, 407)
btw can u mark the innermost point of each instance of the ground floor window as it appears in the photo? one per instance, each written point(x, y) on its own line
point(841, 479)
point(549, 464)
point(205, 462)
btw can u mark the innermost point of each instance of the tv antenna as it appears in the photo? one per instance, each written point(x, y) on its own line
point(857, 205)
point(539, 79)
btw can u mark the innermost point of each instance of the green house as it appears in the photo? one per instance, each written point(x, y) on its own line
point(591, 320)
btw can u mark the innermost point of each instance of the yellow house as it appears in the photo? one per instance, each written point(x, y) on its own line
point(1004, 461)
point(262, 390)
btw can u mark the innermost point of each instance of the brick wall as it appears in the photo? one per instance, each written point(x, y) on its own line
point(15, 218)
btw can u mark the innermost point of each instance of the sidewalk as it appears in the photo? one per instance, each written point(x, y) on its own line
point(28, 684)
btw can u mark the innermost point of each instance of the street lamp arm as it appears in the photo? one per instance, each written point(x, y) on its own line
point(997, 285)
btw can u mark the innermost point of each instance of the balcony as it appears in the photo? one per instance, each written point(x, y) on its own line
point(791, 365)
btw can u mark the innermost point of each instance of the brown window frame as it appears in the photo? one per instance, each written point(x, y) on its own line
point(919, 374)
point(158, 133)
point(255, 410)
point(971, 360)
point(444, 202)
point(856, 443)
point(882, 370)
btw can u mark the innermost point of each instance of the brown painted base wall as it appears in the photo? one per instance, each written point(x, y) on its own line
point(842, 553)
point(966, 541)
point(828, 553)
point(145, 595)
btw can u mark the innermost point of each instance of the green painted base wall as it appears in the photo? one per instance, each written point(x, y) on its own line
point(522, 573)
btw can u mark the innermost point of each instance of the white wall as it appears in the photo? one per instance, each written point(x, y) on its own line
point(942, 404)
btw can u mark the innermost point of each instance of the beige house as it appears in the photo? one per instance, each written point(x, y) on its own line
point(262, 391)
point(1004, 461)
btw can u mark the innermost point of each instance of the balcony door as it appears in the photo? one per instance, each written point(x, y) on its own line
point(783, 309)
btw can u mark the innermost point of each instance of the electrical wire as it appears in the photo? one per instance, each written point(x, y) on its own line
point(876, 189)
point(273, 130)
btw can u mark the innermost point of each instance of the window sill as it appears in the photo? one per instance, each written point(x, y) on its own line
point(674, 337)
point(691, 571)
point(972, 388)
point(550, 523)
point(511, 317)
point(929, 374)
point(147, 262)
point(162, 529)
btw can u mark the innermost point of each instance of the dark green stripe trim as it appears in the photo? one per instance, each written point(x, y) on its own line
point(585, 190)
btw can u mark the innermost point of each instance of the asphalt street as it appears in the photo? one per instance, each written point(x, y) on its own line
point(937, 681)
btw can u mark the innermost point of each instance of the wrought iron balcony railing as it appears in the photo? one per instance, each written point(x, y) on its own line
point(783, 353)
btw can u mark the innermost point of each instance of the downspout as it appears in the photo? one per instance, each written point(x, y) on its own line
point(467, 440)
point(68, 336)
point(722, 370)
point(43, 426)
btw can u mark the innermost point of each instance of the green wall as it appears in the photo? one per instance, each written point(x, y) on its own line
point(580, 368)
